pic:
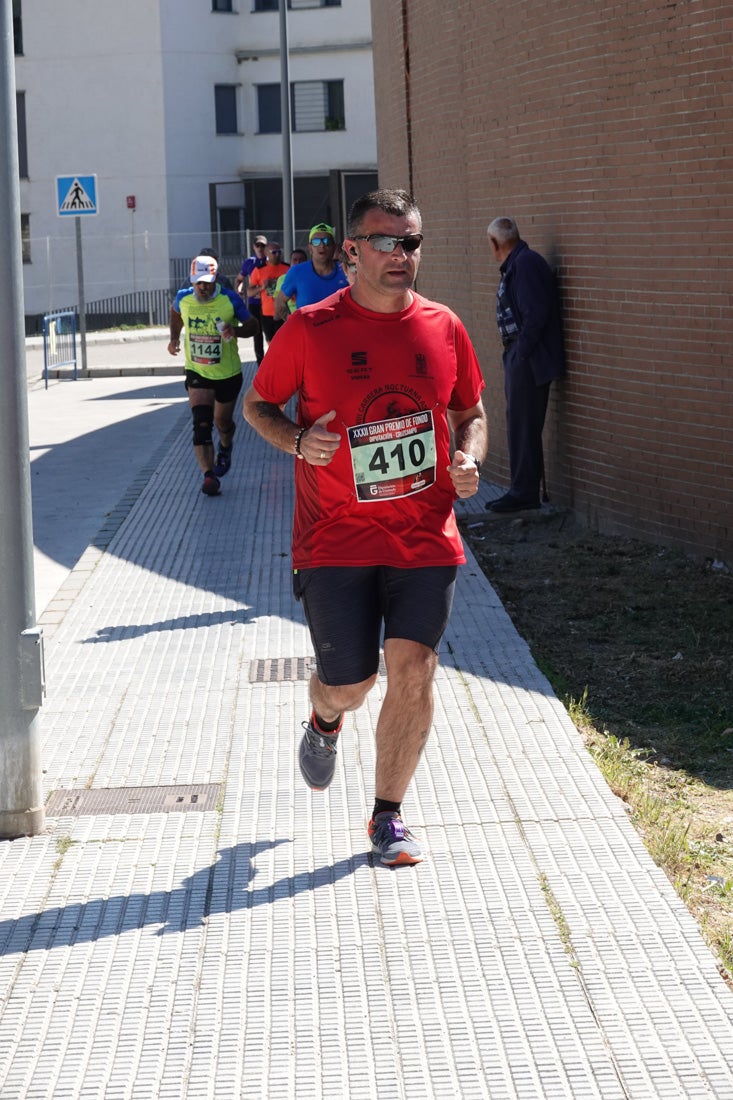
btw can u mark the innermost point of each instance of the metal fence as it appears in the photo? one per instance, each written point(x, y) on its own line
point(59, 341)
point(129, 279)
point(142, 307)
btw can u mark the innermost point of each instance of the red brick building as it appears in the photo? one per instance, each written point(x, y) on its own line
point(606, 130)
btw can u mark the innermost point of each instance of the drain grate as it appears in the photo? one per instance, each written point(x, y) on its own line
point(278, 670)
point(133, 800)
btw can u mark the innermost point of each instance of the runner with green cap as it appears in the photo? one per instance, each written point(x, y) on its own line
point(315, 280)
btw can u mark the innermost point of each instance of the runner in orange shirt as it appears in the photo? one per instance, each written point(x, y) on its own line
point(263, 282)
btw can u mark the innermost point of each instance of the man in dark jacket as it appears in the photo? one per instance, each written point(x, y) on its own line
point(530, 327)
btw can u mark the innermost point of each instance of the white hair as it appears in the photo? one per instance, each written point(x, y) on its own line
point(503, 230)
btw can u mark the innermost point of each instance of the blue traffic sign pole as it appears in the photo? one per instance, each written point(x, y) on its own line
point(76, 197)
point(82, 303)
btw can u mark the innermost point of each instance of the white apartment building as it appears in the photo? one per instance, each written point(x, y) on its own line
point(173, 106)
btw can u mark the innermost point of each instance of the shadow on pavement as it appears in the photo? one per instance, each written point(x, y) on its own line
point(76, 484)
point(166, 392)
point(224, 887)
point(182, 622)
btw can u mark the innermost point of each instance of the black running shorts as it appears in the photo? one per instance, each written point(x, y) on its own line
point(225, 389)
point(345, 608)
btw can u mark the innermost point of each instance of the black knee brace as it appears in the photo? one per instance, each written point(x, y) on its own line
point(203, 418)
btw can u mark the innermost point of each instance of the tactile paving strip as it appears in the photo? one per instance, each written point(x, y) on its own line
point(255, 950)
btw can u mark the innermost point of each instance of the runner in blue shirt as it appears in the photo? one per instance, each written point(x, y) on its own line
point(315, 280)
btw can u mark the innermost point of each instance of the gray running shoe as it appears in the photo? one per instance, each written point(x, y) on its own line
point(392, 841)
point(317, 756)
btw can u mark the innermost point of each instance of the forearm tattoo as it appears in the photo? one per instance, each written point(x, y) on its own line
point(267, 411)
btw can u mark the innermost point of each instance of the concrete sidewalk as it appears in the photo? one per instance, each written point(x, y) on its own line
point(195, 923)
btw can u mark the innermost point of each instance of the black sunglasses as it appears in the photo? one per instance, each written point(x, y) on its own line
point(381, 243)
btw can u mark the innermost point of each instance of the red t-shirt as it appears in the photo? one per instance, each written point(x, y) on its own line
point(386, 497)
point(267, 277)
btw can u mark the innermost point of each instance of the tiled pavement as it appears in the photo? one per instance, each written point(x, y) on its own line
point(223, 933)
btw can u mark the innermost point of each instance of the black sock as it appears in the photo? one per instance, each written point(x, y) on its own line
point(327, 727)
point(381, 805)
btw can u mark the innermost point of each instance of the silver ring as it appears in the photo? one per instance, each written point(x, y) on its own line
point(322, 454)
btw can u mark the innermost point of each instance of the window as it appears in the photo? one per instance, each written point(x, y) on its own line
point(221, 5)
point(311, 200)
point(314, 105)
point(318, 105)
point(17, 28)
point(265, 5)
point(268, 109)
point(231, 227)
point(22, 135)
point(25, 237)
point(225, 100)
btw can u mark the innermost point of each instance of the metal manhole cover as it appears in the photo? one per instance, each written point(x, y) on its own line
point(279, 670)
point(133, 800)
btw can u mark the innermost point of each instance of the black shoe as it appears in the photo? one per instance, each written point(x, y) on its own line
point(511, 503)
point(223, 462)
point(211, 485)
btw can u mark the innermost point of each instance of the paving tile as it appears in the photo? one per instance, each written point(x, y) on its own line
point(254, 949)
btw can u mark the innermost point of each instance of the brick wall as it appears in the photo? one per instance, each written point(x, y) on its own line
point(607, 132)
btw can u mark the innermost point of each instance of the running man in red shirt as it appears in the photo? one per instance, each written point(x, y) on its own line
point(388, 384)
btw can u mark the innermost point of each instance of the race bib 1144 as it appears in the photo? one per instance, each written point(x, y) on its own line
point(205, 350)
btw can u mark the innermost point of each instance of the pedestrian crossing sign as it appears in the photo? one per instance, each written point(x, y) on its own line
point(76, 195)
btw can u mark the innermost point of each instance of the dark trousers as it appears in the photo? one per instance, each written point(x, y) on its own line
point(270, 325)
point(255, 308)
point(526, 408)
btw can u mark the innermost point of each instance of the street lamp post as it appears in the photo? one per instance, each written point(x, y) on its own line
point(21, 648)
point(287, 158)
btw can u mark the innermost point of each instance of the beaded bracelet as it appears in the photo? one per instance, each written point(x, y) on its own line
point(298, 438)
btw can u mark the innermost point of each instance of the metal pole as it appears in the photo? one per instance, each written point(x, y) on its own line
point(147, 275)
point(82, 303)
point(48, 274)
point(287, 165)
point(132, 244)
point(21, 644)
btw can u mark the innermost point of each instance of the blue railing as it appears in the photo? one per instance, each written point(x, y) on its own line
point(59, 341)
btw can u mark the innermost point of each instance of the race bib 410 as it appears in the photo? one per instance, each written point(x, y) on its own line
point(393, 458)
